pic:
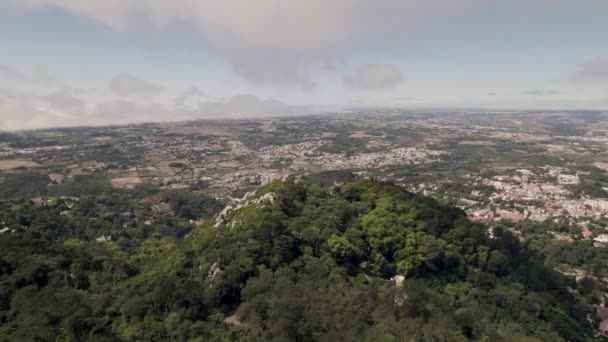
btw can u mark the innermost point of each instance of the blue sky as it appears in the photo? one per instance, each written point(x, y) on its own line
point(94, 62)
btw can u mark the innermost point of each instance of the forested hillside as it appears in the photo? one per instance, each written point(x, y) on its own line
point(296, 261)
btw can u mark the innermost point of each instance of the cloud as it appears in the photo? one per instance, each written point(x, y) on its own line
point(270, 41)
point(195, 104)
point(121, 111)
point(245, 106)
point(124, 111)
point(68, 107)
point(374, 77)
point(407, 98)
point(541, 92)
point(128, 85)
point(39, 75)
point(65, 102)
point(22, 110)
point(593, 70)
point(9, 73)
point(288, 42)
point(190, 100)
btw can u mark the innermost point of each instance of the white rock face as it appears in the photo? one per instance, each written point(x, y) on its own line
point(398, 280)
point(104, 238)
point(214, 274)
point(267, 197)
point(603, 238)
point(264, 199)
point(220, 217)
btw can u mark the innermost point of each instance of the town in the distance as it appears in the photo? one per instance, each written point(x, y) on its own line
point(498, 166)
point(542, 175)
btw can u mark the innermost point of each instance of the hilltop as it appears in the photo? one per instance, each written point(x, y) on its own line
point(294, 260)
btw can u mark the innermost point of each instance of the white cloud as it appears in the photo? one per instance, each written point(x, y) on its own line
point(128, 85)
point(190, 100)
point(406, 99)
point(22, 110)
point(40, 74)
point(67, 107)
point(245, 106)
point(66, 101)
point(279, 42)
point(593, 70)
point(374, 77)
point(10, 73)
point(541, 92)
point(123, 111)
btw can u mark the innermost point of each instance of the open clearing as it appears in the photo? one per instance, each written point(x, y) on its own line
point(13, 164)
point(477, 143)
point(126, 182)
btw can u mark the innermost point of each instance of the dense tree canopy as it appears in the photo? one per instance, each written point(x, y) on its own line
point(296, 261)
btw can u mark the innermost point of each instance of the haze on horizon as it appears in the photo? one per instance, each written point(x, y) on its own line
point(93, 62)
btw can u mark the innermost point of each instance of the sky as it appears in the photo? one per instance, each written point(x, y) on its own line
point(97, 62)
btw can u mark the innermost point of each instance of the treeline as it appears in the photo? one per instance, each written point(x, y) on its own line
point(579, 253)
point(29, 184)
